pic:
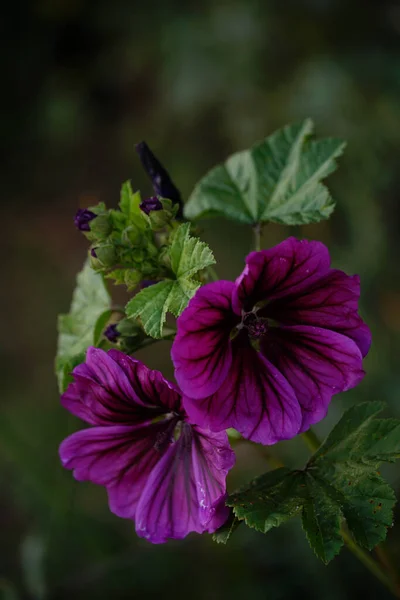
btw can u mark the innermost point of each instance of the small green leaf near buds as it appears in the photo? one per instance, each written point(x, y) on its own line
point(132, 278)
point(130, 206)
point(117, 275)
point(186, 256)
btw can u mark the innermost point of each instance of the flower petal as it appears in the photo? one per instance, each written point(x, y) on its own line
point(255, 399)
point(186, 490)
point(290, 267)
point(317, 363)
point(111, 387)
point(201, 351)
point(149, 385)
point(119, 457)
point(331, 303)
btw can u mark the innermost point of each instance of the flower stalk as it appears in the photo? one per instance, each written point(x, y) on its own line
point(257, 229)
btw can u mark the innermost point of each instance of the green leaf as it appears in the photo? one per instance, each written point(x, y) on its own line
point(340, 482)
point(76, 329)
point(100, 326)
point(188, 256)
point(130, 206)
point(151, 305)
point(276, 180)
point(223, 534)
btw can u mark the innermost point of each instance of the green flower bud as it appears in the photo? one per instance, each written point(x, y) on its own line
point(138, 255)
point(159, 219)
point(133, 236)
point(101, 227)
point(106, 255)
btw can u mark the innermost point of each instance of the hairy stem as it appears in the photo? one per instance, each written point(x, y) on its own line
point(389, 578)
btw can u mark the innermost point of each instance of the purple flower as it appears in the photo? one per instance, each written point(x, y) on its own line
point(82, 219)
point(150, 204)
point(111, 333)
point(161, 471)
point(162, 183)
point(267, 353)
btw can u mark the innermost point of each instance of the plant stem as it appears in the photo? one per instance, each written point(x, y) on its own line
point(388, 579)
point(257, 229)
point(372, 566)
point(212, 273)
point(311, 440)
point(387, 564)
point(168, 336)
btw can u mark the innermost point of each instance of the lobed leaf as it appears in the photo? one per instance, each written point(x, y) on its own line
point(340, 482)
point(223, 534)
point(76, 330)
point(276, 180)
point(188, 256)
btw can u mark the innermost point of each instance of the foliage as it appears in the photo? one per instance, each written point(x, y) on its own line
point(90, 310)
point(187, 256)
point(276, 180)
point(340, 481)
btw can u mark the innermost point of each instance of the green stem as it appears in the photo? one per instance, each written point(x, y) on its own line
point(212, 273)
point(168, 336)
point(257, 229)
point(387, 564)
point(311, 439)
point(372, 566)
point(313, 442)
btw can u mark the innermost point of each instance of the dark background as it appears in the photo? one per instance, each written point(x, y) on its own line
point(82, 82)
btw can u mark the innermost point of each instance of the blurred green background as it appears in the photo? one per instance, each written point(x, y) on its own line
point(82, 83)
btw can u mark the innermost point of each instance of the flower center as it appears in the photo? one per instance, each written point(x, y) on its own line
point(256, 326)
point(170, 433)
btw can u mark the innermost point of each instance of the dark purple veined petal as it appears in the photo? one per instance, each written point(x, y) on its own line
point(148, 385)
point(255, 399)
point(82, 219)
point(111, 387)
point(331, 303)
point(186, 490)
point(288, 268)
point(119, 457)
point(317, 363)
point(201, 351)
point(150, 204)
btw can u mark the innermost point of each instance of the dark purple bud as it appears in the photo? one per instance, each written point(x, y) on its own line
point(162, 183)
point(93, 252)
point(112, 333)
point(83, 218)
point(146, 283)
point(152, 203)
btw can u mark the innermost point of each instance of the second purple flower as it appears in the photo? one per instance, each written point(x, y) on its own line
point(266, 354)
point(159, 470)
